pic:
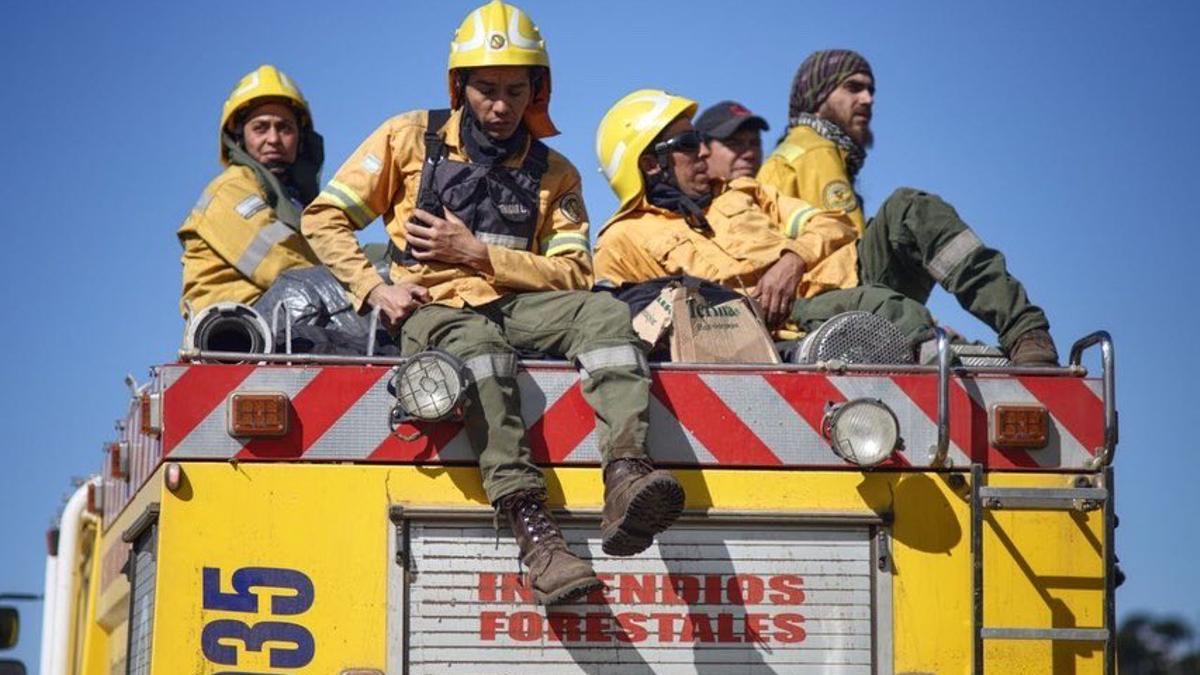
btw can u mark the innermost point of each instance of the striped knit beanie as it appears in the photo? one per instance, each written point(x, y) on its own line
point(820, 74)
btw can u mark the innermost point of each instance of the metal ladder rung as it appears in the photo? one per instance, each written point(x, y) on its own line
point(1096, 494)
point(1062, 634)
point(1081, 498)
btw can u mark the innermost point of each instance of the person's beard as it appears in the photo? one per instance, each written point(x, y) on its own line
point(868, 138)
point(863, 136)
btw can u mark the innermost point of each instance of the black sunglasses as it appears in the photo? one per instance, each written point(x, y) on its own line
point(688, 141)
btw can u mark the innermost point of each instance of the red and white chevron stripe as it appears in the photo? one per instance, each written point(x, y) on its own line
point(726, 418)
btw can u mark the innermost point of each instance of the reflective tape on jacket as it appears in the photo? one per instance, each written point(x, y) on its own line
point(351, 203)
point(201, 205)
point(563, 242)
point(952, 254)
point(261, 246)
point(505, 240)
point(799, 219)
point(619, 356)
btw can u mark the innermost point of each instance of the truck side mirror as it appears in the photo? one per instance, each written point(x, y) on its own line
point(10, 629)
point(10, 667)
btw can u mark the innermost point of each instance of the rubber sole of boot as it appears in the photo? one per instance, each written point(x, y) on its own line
point(654, 508)
point(568, 592)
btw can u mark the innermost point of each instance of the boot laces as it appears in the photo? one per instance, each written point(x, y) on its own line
point(537, 522)
point(639, 466)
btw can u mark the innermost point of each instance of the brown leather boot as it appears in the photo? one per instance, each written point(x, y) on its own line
point(1034, 348)
point(555, 573)
point(639, 502)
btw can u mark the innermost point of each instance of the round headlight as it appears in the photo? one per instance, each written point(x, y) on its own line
point(430, 386)
point(863, 431)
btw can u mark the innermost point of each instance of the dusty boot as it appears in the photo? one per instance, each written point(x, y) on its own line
point(555, 574)
point(1034, 348)
point(639, 502)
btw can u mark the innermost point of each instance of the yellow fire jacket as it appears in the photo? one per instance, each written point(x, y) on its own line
point(233, 246)
point(752, 226)
point(383, 176)
point(811, 167)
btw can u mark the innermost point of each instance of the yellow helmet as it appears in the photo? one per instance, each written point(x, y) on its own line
point(627, 130)
point(266, 81)
point(499, 34)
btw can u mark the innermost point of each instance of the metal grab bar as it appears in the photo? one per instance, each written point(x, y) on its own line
point(939, 452)
point(287, 326)
point(1108, 364)
point(371, 328)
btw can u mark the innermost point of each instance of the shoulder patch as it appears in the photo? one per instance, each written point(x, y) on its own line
point(250, 206)
point(371, 164)
point(570, 206)
point(838, 195)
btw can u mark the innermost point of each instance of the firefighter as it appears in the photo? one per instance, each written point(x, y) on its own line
point(245, 229)
point(490, 255)
point(674, 218)
point(733, 136)
point(916, 239)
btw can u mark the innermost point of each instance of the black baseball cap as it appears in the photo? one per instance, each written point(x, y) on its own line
point(725, 118)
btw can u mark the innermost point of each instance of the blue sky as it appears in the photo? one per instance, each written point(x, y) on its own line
point(1063, 132)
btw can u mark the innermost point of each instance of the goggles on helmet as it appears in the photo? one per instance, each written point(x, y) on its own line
point(688, 141)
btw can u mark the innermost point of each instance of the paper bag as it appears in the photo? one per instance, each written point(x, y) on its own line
point(728, 332)
point(700, 332)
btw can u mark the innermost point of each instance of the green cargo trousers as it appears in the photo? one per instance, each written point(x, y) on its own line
point(913, 242)
point(591, 329)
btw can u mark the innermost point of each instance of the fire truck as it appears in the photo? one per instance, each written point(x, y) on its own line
point(280, 513)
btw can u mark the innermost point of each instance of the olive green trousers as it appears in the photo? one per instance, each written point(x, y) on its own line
point(913, 242)
point(591, 329)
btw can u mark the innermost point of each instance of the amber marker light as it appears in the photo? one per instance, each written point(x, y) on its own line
point(151, 408)
point(259, 415)
point(95, 501)
point(1021, 426)
point(118, 461)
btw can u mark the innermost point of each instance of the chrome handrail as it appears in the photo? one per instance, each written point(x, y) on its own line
point(1108, 365)
point(287, 326)
point(939, 452)
point(371, 328)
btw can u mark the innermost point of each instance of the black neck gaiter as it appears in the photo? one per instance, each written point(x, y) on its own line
point(482, 148)
point(665, 195)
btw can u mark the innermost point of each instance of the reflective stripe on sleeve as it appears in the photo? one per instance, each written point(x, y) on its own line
point(350, 203)
point(952, 254)
point(799, 219)
point(266, 238)
point(505, 240)
point(202, 203)
point(496, 364)
point(611, 357)
point(564, 242)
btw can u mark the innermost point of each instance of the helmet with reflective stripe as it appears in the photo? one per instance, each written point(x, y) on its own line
point(499, 34)
point(627, 130)
point(264, 82)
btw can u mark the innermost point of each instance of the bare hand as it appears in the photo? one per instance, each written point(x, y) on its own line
point(395, 303)
point(445, 240)
point(777, 288)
